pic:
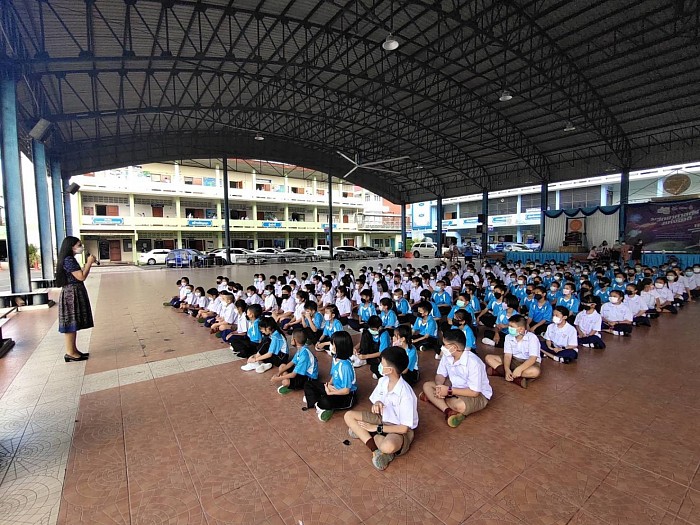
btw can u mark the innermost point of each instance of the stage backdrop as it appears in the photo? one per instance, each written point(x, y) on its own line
point(601, 224)
point(665, 226)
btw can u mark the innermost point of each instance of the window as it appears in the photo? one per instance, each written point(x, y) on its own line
point(235, 184)
point(531, 201)
point(503, 206)
point(263, 187)
point(88, 210)
point(469, 209)
point(579, 197)
point(105, 210)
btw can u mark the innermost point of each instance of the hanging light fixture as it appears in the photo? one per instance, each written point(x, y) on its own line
point(258, 136)
point(390, 44)
point(569, 126)
point(505, 96)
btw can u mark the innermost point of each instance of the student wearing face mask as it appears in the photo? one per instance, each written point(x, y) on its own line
point(694, 281)
point(487, 317)
point(441, 298)
point(275, 353)
point(462, 321)
point(518, 288)
point(540, 313)
point(496, 336)
point(252, 297)
point(212, 308)
point(561, 339)
point(676, 288)
point(636, 305)
point(589, 323)
point(521, 359)
point(664, 297)
point(425, 329)
point(364, 311)
point(648, 298)
point(617, 318)
point(340, 391)
point(249, 344)
point(287, 306)
point(189, 299)
point(270, 306)
point(331, 325)
point(468, 390)
point(373, 342)
point(387, 429)
point(403, 309)
point(200, 302)
point(388, 316)
point(403, 338)
point(221, 283)
point(569, 301)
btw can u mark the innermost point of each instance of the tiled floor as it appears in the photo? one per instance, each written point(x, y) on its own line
point(162, 426)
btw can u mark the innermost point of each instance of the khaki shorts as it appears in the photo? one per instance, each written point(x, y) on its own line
point(515, 363)
point(473, 404)
point(376, 419)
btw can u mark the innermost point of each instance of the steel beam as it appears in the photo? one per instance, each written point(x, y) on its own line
point(43, 209)
point(227, 212)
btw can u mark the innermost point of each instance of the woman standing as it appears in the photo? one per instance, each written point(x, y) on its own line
point(637, 251)
point(74, 312)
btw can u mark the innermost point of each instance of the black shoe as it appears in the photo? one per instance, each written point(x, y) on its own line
point(86, 354)
point(68, 359)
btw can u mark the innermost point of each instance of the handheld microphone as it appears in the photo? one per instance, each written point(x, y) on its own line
point(97, 262)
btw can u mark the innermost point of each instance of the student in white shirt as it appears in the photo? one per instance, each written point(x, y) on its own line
point(521, 359)
point(694, 280)
point(387, 430)
point(589, 323)
point(327, 294)
point(342, 302)
point(252, 296)
point(560, 340)
point(617, 318)
point(664, 297)
point(414, 296)
point(270, 300)
point(636, 305)
point(210, 309)
point(296, 322)
point(287, 306)
point(469, 390)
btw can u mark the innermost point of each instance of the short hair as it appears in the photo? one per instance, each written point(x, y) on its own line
point(374, 321)
point(299, 335)
point(398, 290)
point(333, 309)
point(252, 288)
point(311, 305)
point(396, 357)
point(512, 301)
point(200, 290)
point(385, 301)
point(240, 304)
point(327, 283)
point(342, 342)
point(212, 291)
point(366, 293)
point(425, 306)
point(184, 280)
point(463, 315)
point(617, 292)
point(455, 336)
point(425, 294)
point(563, 310)
point(518, 320)
point(405, 332)
point(343, 290)
point(269, 322)
point(255, 309)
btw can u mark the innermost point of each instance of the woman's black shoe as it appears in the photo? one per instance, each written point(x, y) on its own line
point(68, 359)
point(86, 354)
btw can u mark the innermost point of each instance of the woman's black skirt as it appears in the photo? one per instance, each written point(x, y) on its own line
point(74, 312)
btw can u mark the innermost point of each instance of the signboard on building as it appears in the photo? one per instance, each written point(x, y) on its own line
point(199, 223)
point(108, 221)
point(669, 226)
point(271, 224)
point(514, 219)
point(421, 216)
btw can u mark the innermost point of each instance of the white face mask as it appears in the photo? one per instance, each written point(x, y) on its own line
point(556, 320)
point(198, 294)
point(614, 300)
point(249, 294)
point(79, 250)
point(520, 281)
point(659, 285)
point(445, 351)
point(566, 291)
point(327, 317)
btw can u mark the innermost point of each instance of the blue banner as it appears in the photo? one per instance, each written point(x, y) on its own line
point(271, 224)
point(199, 223)
point(105, 221)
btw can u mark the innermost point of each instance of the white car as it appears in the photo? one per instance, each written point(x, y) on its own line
point(516, 247)
point(239, 256)
point(273, 255)
point(156, 256)
point(424, 249)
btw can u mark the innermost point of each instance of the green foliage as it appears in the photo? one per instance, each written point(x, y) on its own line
point(33, 252)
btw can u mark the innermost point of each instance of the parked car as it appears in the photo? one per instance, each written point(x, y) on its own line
point(299, 255)
point(185, 257)
point(239, 256)
point(350, 252)
point(156, 256)
point(424, 249)
point(273, 255)
point(516, 247)
point(323, 251)
point(373, 253)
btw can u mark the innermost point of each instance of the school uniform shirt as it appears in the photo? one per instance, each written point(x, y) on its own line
point(635, 303)
point(442, 298)
point(378, 297)
point(562, 337)
point(382, 339)
point(524, 349)
point(221, 287)
point(495, 306)
point(436, 311)
point(259, 286)
point(570, 302)
point(228, 313)
point(400, 404)
point(502, 318)
point(327, 298)
point(270, 304)
point(242, 323)
point(254, 299)
point(202, 301)
point(616, 312)
point(299, 311)
point(676, 288)
point(182, 293)
point(253, 331)
point(663, 294)
point(406, 287)
point(402, 306)
point(540, 313)
point(604, 295)
point(331, 327)
point(344, 306)
point(587, 322)
point(317, 319)
point(215, 306)
point(467, 372)
point(428, 327)
point(278, 344)
point(343, 375)
point(473, 307)
point(414, 294)
point(649, 299)
point(190, 298)
point(520, 292)
point(412, 358)
point(356, 298)
point(552, 297)
point(389, 319)
point(620, 287)
point(289, 304)
point(468, 334)
point(365, 311)
point(456, 282)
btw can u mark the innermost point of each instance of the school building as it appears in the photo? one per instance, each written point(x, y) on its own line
point(123, 212)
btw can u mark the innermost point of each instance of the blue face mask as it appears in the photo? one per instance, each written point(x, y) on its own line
point(512, 331)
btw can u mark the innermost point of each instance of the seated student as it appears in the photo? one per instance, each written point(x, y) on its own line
point(403, 309)
point(300, 302)
point(540, 314)
point(327, 295)
point(469, 390)
point(694, 282)
point(252, 296)
point(686, 283)
point(375, 339)
point(239, 326)
point(425, 330)
point(287, 306)
point(664, 297)
point(199, 302)
point(189, 299)
point(462, 320)
point(553, 294)
point(343, 304)
point(387, 430)
point(275, 353)
point(496, 336)
point(248, 345)
point(589, 323)
point(602, 291)
point(619, 283)
point(226, 317)
point(442, 298)
point(560, 340)
point(216, 308)
point(521, 359)
point(648, 297)
point(404, 339)
point(331, 325)
point(312, 322)
point(461, 303)
point(302, 368)
point(339, 392)
point(414, 295)
point(636, 305)
point(387, 315)
point(617, 318)
point(529, 301)
point(181, 293)
point(213, 303)
point(270, 306)
point(220, 283)
point(435, 311)
point(488, 316)
point(569, 301)
point(677, 288)
point(364, 311)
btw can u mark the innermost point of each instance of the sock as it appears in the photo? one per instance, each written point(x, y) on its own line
point(371, 445)
point(500, 371)
point(447, 411)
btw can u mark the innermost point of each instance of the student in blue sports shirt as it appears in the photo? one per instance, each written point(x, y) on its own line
point(569, 301)
point(519, 288)
point(365, 310)
point(602, 292)
point(540, 315)
point(375, 339)
point(620, 283)
point(248, 345)
point(441, 298)
point(331, 325)
point(496, 337)
point(425, 329)
point(434, 310)
point(404, 339)
point(340, 391)
point(553, 294)
point(275, 353)
point(302, 368)
point(529, 301)
point(312, 322)
point(460, 304)
point(462, 321)
point(488, 315)
point(403, 309)
point(387, 315)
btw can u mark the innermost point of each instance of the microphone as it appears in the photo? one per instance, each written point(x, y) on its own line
point(97, 262)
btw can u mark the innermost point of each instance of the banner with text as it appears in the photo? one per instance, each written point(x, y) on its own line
point(670, 226)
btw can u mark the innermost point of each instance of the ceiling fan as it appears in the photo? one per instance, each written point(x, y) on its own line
point(370, 165)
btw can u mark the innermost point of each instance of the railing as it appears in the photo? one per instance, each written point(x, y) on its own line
point(99, 221)
point(382, 223)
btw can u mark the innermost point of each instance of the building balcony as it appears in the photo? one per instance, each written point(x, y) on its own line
point(382, 223)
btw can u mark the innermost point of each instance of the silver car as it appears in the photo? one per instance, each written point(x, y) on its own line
point(240, 256)
point(298, 255)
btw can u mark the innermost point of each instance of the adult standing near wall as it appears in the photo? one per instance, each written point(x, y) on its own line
point(74, 311)
point(637, 251)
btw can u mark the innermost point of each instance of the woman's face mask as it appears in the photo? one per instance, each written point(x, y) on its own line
point(78, 249)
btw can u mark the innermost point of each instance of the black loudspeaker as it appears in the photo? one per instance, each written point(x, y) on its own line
point(481, 218)
point(72, 188)
point(480, 228)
